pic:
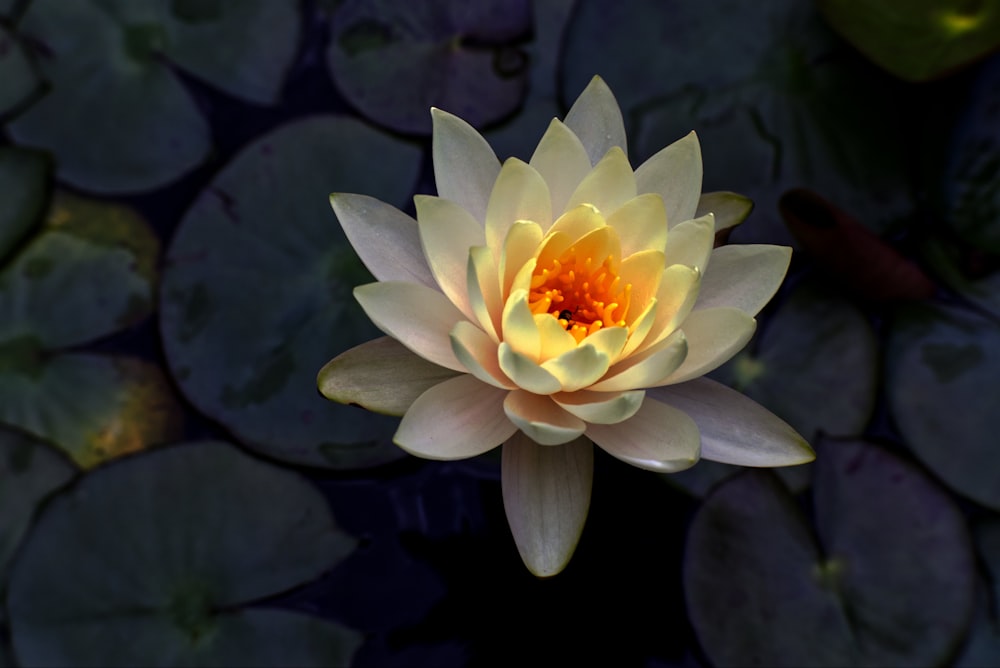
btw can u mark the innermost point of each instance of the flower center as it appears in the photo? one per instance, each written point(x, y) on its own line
point(582, 293)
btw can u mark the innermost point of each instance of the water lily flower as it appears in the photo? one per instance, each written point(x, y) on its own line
point(558, 303)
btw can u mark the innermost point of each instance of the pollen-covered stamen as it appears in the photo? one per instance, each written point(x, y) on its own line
point(583, 293)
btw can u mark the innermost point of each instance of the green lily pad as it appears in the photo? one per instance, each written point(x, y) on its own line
point(31, 470)
point(763, 589)
point(982, 647)
point(917, 40)
point(87, 274)
point(146, 562)
point(90, 272)
point(256, 295)
point(942, 369)
point(972, 180)
point(24, 186)
point(18, 79)
point(395, 60)
point(770, 90)
point(94, 407)
point(134, 127)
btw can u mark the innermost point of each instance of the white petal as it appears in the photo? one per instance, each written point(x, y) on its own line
point(730, 208)
point(641, 224)
point(465, 167)
point(385, 238)
point(562, 161)
point(458, 418)
point(691, 242)
point(546, 495)
point(744, 277)
point(714, 335)
point(674, 173)
point(525, 372)
point(658, 438)
point(608, 186)
point(601, 407)
point(735, 429)
point(380, 375)
point(447, 232)
point(519, 329)
point(597, 120)
point(484, 291)
point(647, 368)
point(478, 352)
point(414, 315)
point(520, 193)
point(542, 419)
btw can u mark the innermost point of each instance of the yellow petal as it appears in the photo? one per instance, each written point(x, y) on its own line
point(676, 297)
point(641, 224)
point(525, 372)
point(521, 244)
point(520, 193)
point(691, 243)
point(647, 368)
point(643, 271)
point(484, 292)
point(519, 329)
point(578, 368)
point(555, 339)
point(478, 352)
point(447, 232)
point(562, 161)
point(608, 186)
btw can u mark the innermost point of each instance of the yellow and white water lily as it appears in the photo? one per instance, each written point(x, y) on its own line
point(558, 303)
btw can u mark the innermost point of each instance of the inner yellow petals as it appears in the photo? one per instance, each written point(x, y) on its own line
point(581, 286)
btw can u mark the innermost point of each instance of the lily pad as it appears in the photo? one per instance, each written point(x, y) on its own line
point(24, 186)
point(87, 274)
point(942, 369)
point(256, 295)
point(770, 90)
point(394, 60)
point(149, 560)
point(762, 590)
point(972, 181)
point(134, 126)
point(18, 79)
point(917, 40)
point(31, 470)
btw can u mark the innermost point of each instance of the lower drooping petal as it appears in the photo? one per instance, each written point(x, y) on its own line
point(541, 418)
point(461, 417)
point(546, 496)
point(735, 429)
point(380, 375)
point(658, 437)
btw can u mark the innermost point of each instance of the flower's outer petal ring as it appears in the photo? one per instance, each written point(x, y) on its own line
point(380, 375)
point(546, 495)
point(418, 317)
point(601, 407)
point(597, 120)
point(675, 173)
point(690, 243)
point(735, 429)
point(743, 277)
point(447, 232)
point(713, 335)
point(459, 418)
point(658, 438)
point(562, 161)
point(541, 418)
point(730, 208)
point(385, 238)
point(608, 186)
point(641, 224)
point(465, 167)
